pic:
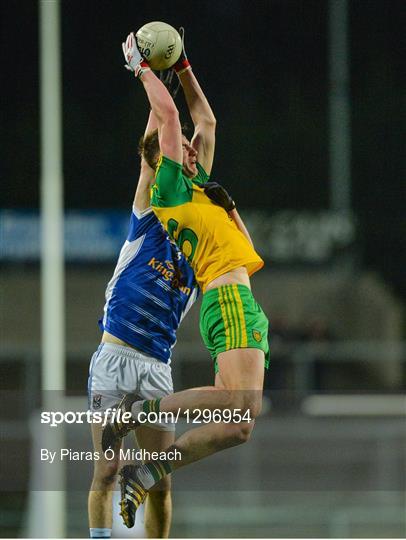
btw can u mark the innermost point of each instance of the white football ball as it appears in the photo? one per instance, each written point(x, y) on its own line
point(160, 44)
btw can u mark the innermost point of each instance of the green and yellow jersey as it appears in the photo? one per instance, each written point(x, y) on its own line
point(204, 232)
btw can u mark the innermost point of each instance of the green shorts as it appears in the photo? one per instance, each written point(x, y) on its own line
point(230, 318)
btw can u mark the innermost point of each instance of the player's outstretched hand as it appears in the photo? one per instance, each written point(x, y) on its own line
point(183, 63)
point(219, 195)
point(132, 55)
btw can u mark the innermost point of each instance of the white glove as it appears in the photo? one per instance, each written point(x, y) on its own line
point(132, 55)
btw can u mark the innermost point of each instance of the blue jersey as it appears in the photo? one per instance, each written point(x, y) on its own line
point(151, 290)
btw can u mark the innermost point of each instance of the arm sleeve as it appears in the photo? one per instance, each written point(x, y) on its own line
point(171, 188)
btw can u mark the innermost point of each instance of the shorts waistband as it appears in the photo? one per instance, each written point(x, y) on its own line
point(129, 352)
point(214, 292)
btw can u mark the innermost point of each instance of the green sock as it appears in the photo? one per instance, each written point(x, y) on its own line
point(151, 405)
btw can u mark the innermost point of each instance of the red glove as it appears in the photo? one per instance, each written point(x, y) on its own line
point(183, 63)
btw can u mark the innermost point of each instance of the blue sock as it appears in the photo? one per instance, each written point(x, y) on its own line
point(100, 532)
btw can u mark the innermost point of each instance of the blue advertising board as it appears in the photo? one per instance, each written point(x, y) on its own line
point(89, 236)
point(95, 236)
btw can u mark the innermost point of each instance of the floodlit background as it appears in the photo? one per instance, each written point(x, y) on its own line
point(309, 142)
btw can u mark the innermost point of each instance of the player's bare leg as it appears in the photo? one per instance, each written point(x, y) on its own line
point(158, 511)
point(243, 369)
point(241, 374)
point(242, 377)
point(238, 386)
point(103, 483)
point(202, 398)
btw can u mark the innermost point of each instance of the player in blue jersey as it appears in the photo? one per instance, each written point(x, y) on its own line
point(151, 290)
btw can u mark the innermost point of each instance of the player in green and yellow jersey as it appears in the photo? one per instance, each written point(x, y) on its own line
point(217, 245)
point(212, 242)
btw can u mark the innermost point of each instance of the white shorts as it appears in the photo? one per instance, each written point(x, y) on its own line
point(116, 370)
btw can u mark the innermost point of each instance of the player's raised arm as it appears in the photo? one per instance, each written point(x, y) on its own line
point(203, 118)
point(162, 104)
point(142, 195)
point(147, 173)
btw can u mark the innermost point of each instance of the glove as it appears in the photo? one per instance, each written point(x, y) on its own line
point(134, 61)
point(183, 63)
point(167, 79)
point(219, 195)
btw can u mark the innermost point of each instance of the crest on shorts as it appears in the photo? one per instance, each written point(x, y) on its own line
point(257, 335)
point(97, 398)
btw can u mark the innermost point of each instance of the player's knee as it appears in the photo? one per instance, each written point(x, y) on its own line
point(240, 433)
point(254, 406)
point(106, 473)
point(244, 432)
point(248, 403)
